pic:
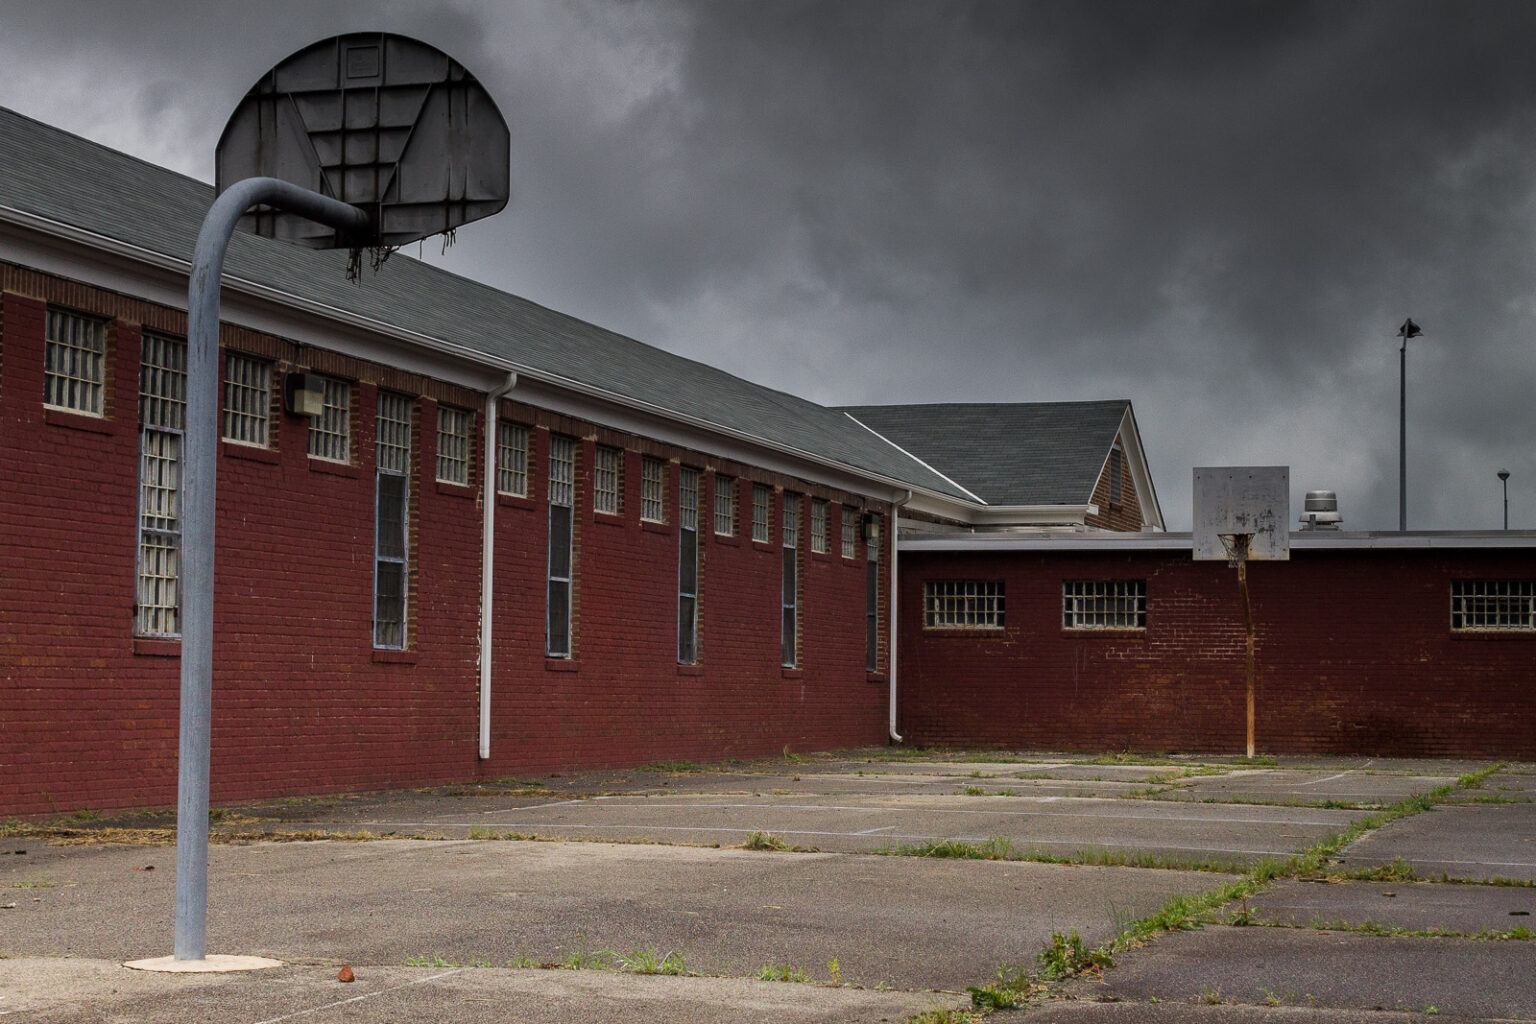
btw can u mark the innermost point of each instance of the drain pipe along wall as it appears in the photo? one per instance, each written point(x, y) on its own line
point(895, 534)
point(488, 556)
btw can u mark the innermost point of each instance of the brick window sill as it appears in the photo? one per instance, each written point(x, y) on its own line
point(455, 490)
point(156, 647)
point(561, 665)
point(236, 450)
point(608, 518)
point(1105, 634)
point(876, 677)
point(334, 468)
point(728, 539)
point(387, 656)
point(976, 633)
point(78, 421)
point(763, 545)
point(791, 673)
point(1493, 634)
point(650, 526)
point(504, 500)
point(690, 670)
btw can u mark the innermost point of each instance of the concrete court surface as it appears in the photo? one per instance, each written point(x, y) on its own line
point(911, 923)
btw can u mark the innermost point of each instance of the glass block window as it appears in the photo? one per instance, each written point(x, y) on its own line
point(392, 522)
point(74, 362)
point(653, 490)
point(393, 432)
point(163, 383)
point(453, 430)
point(1104, 604)
point(762, 504)
point(725, 505)
point(330, 433)
point(247, 399)
point(818, 525)
point(963, 604)
point(512, 458)
point(607, 480)
point(1493, 604)
point(850, 532)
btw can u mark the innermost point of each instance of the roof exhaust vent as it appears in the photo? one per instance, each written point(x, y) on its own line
point(1321, 511)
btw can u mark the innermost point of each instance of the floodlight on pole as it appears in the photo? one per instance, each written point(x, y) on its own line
point(1408, 330)
point(1504, 479)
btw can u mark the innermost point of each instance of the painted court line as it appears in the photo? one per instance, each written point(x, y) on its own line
point(358, 999)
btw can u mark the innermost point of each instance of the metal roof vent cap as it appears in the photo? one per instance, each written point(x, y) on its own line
point(1321, 511)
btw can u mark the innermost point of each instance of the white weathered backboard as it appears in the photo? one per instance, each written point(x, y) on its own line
point(1251, 501)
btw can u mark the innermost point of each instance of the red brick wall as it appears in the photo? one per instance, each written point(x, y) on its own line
point(1354, 651)
point(302, 701)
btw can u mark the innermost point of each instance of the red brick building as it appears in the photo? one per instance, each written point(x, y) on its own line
point(1411, 644)
point(459, 535)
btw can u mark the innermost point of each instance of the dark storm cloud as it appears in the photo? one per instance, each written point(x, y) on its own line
point(1220, 210)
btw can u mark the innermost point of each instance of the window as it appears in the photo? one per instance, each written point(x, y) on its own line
point(850, 532)
point(247, 399)
point(1104, 604)
point(762, 502)
point(1493, 604)
point(963, 604)
point(607, 481)
point(872, 605)
point(392, 507)
point(74, 362)
point(512, 459)
point(1116, 487)
point(653, 490)
point(818, 526)
point(562, 497)
point(790, 536)
point(330, 433)
point(453, 444)
point(688, 566)
point(162, 419)
point(725, 505)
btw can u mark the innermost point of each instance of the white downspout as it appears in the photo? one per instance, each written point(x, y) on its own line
point(488, 557)
point(895, 532)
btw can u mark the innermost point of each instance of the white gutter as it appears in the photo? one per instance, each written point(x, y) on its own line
point(488, 558)
point(1304, 540)
point(895, 530)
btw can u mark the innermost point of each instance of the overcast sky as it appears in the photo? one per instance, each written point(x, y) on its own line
point(1221, 211)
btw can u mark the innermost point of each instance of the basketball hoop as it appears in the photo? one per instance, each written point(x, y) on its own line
point(1236, 547)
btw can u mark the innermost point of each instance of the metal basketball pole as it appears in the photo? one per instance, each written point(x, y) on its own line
point(200, 465)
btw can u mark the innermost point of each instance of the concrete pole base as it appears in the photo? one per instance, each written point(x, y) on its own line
point(212, 964)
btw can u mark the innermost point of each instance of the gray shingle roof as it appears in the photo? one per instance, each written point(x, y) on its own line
point(63, 178)
point(1043, 453)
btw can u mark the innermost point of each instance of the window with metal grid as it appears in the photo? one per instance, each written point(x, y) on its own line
point(1493, 604)
point(162, 417)
point(512, 459)
point(872, 604)
point(850, 532)
point(607, 480)
point(330, 433)
point(688, 565)
point(963, 604)
point(392, 520)
point(790, 537)
point(74, 362)
point(653, 490)
point(1104, 604)
point(762, 505)
point(818, 525)
point(562, 496)
point(725, 505)
point(247, 399)
point(453, 430)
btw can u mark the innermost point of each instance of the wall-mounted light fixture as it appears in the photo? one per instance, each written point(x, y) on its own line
point(303, 394)
point(871, 528)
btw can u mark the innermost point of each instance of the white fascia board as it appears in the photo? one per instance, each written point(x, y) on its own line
point(1307, 540)
point(1136, 460)
point(84, 256)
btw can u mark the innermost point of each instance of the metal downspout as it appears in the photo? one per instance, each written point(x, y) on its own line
point(895, 534)
point(488, 557)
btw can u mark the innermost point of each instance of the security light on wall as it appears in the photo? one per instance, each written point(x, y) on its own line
point(303, 394)
point(871, 526)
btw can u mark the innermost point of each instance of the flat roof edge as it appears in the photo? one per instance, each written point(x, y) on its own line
point(1319, 540)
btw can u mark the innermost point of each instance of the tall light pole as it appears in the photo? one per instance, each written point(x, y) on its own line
point(1504, 479)
point(1408, 330)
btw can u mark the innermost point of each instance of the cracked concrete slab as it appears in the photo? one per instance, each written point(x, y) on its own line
point(1415, 906)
